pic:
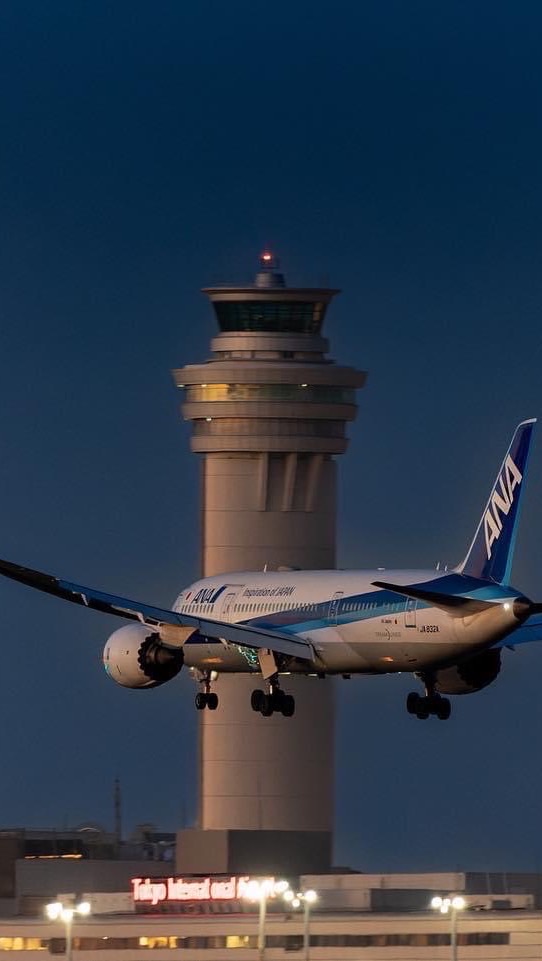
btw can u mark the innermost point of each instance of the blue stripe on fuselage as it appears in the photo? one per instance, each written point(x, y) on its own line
point(378, 602)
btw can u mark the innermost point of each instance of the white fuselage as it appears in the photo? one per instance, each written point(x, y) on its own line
point(352, 626)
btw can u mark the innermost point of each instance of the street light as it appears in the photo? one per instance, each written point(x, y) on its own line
point(450, 906)
point(65, 913)
point(261, 891)
point(305, 898)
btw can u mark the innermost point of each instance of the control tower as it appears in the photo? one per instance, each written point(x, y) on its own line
point(269, 411)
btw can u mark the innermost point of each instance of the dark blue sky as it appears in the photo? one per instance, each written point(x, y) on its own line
point(391, 149)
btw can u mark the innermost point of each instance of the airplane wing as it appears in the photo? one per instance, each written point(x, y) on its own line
point(242, 634)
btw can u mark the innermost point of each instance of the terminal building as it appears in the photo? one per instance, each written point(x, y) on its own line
point(210, 918)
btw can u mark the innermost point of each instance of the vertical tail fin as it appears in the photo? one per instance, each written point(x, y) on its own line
point(491, 552)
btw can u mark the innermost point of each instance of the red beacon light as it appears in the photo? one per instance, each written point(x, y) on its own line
point(267, 259)
point(269, 275)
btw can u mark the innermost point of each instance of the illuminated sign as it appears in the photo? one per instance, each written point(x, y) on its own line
point(160, 890)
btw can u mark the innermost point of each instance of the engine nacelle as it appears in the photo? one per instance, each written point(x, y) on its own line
point(470, 675)
point(135, 657)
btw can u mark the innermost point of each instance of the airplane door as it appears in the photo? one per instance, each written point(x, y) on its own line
point(226, 611)
point(334, 606)
point(410, 612)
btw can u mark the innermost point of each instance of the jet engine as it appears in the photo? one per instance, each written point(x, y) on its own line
point(135, 657)
point(469, 675)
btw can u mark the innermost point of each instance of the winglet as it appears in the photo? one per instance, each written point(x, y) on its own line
point(491, 552)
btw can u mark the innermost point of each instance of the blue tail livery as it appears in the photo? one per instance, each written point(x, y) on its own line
point(492, 550)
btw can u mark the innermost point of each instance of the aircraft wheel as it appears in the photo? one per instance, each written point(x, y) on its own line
point(256, 700)
point(212, 701)
point(267, 707)
point(423, 709)
point(444, 709)
point(200, 700)
point(288, 705)
point(277, 700)
point(412, 702)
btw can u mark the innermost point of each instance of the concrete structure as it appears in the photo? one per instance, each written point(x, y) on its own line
point(269, 411)
point(482, 936)
point(36, 864)
point(354, 916)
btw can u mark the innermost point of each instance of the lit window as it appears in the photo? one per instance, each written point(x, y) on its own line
point(238, 941)
point(158, 941)
point(320, 394)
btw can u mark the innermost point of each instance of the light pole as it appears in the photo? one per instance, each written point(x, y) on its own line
point(260, 891)
point(450, 906)
point(305, 898)
point(65, 913)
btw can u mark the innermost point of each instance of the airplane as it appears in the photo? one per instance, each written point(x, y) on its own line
point(448, 628)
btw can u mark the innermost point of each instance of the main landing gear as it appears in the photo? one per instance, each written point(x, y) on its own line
point(206, 698)
point(432, 703)
point(275, 700)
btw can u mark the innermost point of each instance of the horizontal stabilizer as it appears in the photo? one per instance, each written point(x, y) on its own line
point(242, 634)
point(525, 634)
point(451, 603)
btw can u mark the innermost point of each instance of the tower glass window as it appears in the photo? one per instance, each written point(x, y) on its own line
point(202, 393)
point(300, 317)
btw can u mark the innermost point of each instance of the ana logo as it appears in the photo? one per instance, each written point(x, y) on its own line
point(208, 595)
point(501, 501)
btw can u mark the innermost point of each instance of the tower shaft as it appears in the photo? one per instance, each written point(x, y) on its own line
point(269, 412)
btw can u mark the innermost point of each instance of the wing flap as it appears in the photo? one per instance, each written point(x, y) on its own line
point(242, 634)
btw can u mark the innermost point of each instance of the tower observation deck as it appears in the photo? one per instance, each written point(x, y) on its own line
point(269, 411)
